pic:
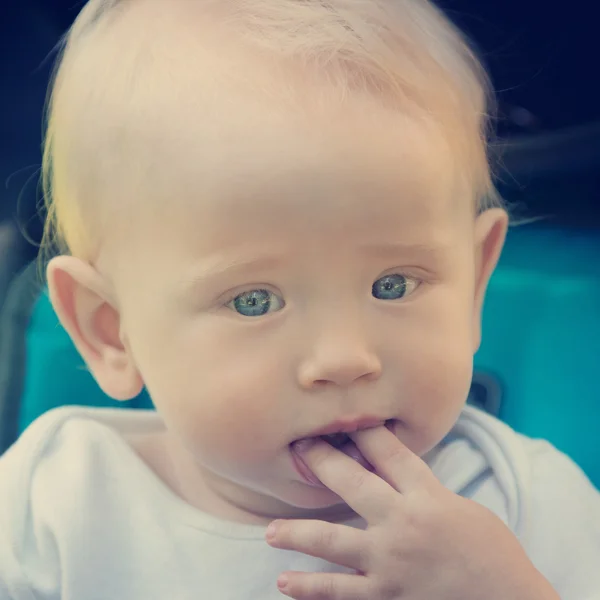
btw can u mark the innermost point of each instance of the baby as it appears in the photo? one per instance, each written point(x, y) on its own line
point(278, 217)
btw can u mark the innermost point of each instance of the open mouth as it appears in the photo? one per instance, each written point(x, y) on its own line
point(343, 442)
point(337, 440)
point(340, 439)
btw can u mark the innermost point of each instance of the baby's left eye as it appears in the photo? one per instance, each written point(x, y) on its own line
point(394, 287)
point(255, 303)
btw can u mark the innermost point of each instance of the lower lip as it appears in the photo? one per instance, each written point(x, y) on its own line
point(311, 479)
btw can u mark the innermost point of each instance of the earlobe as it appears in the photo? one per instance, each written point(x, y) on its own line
point(83, 301)
point(490, 233)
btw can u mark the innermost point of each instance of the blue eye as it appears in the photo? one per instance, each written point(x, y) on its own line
point(256, 303)
point(393, 287)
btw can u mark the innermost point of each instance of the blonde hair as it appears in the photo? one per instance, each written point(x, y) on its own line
point(404, 53)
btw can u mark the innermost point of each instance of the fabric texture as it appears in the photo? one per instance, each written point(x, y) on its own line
point(82, 516)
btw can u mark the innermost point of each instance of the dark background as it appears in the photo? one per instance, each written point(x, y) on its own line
point(544, 64)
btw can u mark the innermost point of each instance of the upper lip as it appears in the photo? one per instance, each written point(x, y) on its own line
point(348, 425)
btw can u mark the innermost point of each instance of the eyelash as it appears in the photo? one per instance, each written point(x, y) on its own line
point(419, 280)
point(230, 297)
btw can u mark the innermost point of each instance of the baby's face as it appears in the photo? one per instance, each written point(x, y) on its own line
point(338, 282)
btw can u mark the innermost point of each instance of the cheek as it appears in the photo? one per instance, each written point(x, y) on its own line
point(437, 368)
point(434, 396)
point(224, 435)
point(223, 400)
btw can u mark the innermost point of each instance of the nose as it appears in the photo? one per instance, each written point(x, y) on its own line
point(341, 357)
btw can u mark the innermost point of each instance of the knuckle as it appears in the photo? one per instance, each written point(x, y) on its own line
point(424, 514)
point(364, 555)
point(418, 520)
point(358, 479)
point(390, 590)
point(325, 589)
point(405, 459)
point(326, 538)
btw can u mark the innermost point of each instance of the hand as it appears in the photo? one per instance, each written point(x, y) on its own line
point(422, 541)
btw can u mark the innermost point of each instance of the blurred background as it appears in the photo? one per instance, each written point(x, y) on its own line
point(539, 363)
point(543, 59)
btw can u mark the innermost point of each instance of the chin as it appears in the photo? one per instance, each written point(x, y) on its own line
point(312, 498)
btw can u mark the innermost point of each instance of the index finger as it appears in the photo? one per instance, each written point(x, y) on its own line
point(365, 493)
point(395, 463)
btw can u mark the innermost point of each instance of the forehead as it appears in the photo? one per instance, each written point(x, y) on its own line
point(348, 175)
point(218, 139)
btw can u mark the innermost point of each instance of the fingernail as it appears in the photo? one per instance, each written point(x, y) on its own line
point(272, 530)
point(282, 582)
point(303, 445)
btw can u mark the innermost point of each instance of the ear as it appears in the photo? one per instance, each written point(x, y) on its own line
point(490, 232)
point(83, 301)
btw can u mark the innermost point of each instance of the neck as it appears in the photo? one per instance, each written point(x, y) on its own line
point(217, 497)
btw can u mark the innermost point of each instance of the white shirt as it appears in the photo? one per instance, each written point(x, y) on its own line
point(82, 517)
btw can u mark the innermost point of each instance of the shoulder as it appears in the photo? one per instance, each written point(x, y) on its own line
point(71, 426)
point(531, 463)
point(553, 507)
point(48, 480)
point(528, 469)
point(482, 458)
point(63, 444)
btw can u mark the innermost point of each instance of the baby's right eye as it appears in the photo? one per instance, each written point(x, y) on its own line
point(256, 303)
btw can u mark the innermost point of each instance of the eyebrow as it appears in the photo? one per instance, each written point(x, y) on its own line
point(437, 250)
point(223, 268)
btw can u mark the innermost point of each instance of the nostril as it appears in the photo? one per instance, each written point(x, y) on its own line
point(329, 368)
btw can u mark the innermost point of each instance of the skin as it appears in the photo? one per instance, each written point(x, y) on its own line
point(316, 224)
point(316, 230)
point(416, 528)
